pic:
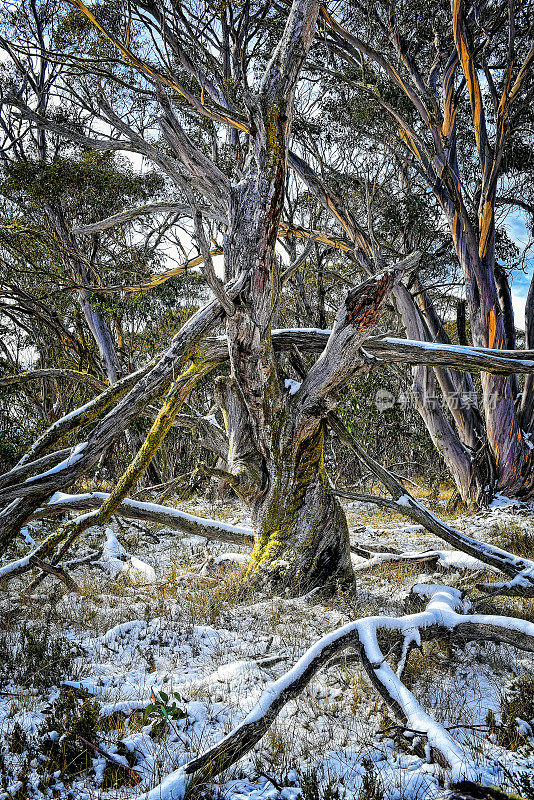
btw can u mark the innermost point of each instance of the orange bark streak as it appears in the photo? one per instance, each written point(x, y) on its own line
point(486, 222)
point(469, 70)
point(492, 327)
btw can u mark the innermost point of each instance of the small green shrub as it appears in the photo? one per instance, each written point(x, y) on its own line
point(73, 720)
point(168, 710)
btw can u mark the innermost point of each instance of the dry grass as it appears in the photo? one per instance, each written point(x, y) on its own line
point(515, 538)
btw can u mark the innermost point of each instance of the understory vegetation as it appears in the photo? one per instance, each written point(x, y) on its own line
point(266, 400)
point(109, 691)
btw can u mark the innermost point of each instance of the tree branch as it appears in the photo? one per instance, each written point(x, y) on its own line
point(140, 211)
point(150, 512)
point(440, 618)
point(65, 374)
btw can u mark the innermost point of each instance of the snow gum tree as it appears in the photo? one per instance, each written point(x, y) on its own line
point(454, 113)
point(207, 96)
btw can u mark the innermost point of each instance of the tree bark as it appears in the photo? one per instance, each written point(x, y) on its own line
point(302, 537)
point(526, 409)
point(454, 448)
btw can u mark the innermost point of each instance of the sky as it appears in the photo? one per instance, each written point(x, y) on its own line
point(518, 232)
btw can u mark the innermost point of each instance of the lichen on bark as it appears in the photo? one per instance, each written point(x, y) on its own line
point(302, 540)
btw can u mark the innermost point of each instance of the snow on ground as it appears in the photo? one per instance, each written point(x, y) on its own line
point(173, 619)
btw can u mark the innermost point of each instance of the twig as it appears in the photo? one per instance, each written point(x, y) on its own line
point(59, 572)
point(132, 774)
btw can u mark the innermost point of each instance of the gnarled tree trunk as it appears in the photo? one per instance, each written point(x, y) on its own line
point(302, 536)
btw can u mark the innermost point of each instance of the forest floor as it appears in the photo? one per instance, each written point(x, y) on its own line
point(164, 653)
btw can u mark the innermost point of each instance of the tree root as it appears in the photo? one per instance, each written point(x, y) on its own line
point(442, 617)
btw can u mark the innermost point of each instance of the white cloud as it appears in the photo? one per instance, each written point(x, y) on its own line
point(518, 302)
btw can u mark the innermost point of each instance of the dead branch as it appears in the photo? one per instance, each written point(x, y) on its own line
point(443, 616)
point(141, 211)
point(34, 467)
point(64, 374)
point(399, 351)
point(132, 774)
point(151, 512)
point(429, 559)
point(59, 572)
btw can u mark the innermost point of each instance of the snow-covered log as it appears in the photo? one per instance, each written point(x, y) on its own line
point(436, 354)
point(444, 615)
point(150, 512)
point(130, 509)
point(23, 470)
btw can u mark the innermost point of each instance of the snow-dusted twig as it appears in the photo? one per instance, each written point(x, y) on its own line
point(441, 617)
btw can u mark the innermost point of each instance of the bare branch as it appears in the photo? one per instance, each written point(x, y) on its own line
point(65, 374)
point(140, 211)
point(150, 512)
point(208, 270)
point(441, 617)
point(158, 77)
